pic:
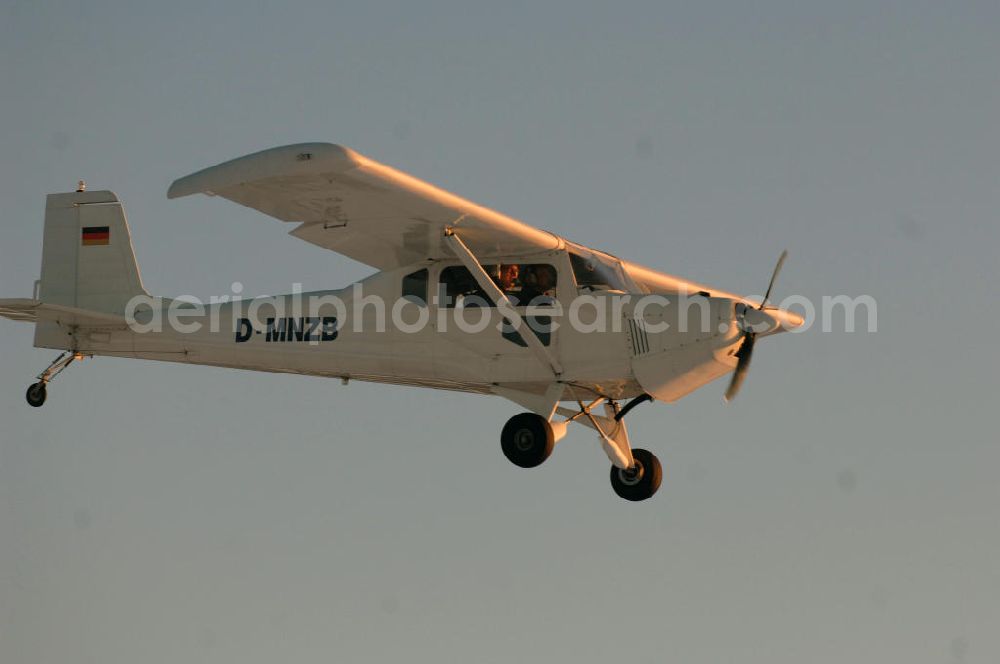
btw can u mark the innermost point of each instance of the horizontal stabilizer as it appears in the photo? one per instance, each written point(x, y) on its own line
point(32, 311)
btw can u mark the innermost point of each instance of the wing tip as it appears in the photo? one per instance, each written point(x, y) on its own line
point(276, 161)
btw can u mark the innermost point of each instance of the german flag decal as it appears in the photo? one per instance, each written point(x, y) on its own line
point(94, 235)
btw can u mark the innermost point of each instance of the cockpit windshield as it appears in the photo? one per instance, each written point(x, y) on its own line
point(594, 271)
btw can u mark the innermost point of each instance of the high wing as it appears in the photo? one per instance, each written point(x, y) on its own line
point(355, 206)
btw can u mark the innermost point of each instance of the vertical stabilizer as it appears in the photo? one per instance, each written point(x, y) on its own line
point(87, 257)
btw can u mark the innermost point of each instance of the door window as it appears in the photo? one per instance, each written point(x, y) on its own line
point(522, 283)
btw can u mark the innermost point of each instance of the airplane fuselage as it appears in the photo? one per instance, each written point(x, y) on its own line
point(369, 331)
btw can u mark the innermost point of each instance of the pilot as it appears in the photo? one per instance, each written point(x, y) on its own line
point(508, 277)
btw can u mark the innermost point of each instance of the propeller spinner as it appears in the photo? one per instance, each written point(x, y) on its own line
point(746, 321)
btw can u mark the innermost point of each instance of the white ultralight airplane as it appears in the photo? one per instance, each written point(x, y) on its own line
point(480, 303)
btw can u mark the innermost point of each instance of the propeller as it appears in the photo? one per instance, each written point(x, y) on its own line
point(745, 352)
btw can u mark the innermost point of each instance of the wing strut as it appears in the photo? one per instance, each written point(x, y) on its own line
point(529, 335)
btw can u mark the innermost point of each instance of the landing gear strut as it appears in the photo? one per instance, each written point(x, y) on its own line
point(641, 480)
point(37, 392)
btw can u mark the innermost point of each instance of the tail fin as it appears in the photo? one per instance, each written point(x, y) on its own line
point(87, 257)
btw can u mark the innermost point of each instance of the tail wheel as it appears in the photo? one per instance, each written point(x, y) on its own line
point(527, 440)
point(36, 395)
point(642, 480)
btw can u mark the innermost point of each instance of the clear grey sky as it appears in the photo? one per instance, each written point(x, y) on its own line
point(844, 509)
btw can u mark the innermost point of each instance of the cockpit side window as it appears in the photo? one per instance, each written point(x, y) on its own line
point(523, 283)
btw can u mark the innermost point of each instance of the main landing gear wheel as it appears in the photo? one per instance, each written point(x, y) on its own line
point(527, 440)
point(642, 480)
point(36, 395)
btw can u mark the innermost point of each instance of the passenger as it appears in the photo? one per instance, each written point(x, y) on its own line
point(538, 284)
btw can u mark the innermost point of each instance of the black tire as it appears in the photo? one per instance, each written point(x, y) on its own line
point(36, 395)
point(641, 483)
point(527, 440)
